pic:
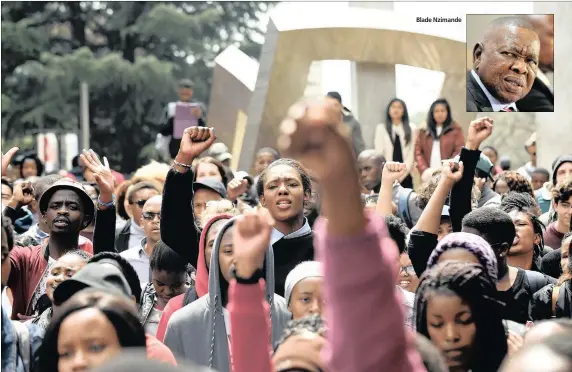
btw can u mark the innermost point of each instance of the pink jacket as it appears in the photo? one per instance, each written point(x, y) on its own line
point(360, 340)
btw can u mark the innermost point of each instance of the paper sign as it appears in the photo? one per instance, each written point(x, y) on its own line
point(184, 118)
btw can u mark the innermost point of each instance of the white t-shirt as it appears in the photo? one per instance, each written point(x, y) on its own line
point(436, 151)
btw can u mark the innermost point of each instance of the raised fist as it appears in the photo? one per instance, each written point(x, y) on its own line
point(235, 188)
point(479, 130)
point(393, 171)
point(23, 194)
point(251, 239)
point(195, 141)
point(453, 171)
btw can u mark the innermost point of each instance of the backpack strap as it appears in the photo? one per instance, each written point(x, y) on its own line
point(403, 207)
point(23, 346)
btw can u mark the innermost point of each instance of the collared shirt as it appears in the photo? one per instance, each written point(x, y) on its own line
point(495, 103)
point(136, 233)
point(277, 235)
point(138, 258)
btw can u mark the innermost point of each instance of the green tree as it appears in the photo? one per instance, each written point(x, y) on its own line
point(130, 54)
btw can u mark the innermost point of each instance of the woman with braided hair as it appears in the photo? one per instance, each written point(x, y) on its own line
point(456, 309)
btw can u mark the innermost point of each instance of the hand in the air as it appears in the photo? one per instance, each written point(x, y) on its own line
point(23, 194)
point(195, 141)
point(235, 188)
point(479, 130)
point(251, 239)
point(453, 171)
point(393, 171)
point(7, 158)
point(101, 172)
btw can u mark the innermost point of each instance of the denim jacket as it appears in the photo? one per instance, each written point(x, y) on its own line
point(10, 360)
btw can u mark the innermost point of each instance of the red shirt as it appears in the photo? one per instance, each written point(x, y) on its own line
point(156, 350)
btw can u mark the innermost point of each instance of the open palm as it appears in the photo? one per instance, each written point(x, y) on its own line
point(101, 172)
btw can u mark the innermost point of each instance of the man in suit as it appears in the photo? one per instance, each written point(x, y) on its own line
point(541, 96)
point(505, 65)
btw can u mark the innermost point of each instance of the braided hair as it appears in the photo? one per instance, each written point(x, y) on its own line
point(311, 323)
point(524, 203)
point(471, 283)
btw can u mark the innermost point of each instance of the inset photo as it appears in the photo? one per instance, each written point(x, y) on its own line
point(510, 63)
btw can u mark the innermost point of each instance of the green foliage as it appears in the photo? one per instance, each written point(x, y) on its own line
point(129, 53)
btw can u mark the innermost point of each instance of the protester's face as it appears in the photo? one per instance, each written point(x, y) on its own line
point(369, 172)
point(139, 198)
point(226, 254)
point(525, 237)
point(445, 228)
point(62, 270)
point(396, 111)
point(440, 113)
point(283, 193)
point(508, 63)
point(563, 172)
point(151, 219)
point(5, 260)
point(65, 212)
point(564, 211)
point(313, 200)
point(211, 237)
point(200, 200)
point(29, 168)
point(208, 170)
point(168, 284)
point(451, 328)
point(185, 94)
point(407, 279)
point(96, 344)
point(491, 155)
point(307, 298)
point(538, 180)
point(564, 254)
point(263, 160)
point(6, 194)
point(501, 187)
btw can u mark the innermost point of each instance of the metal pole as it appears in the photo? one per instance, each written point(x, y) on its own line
point(84, 115)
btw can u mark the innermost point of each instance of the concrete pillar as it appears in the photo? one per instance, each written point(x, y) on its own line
point(553, 128)
point(454, 91)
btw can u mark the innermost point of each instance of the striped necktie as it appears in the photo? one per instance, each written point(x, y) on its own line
point(507, 109)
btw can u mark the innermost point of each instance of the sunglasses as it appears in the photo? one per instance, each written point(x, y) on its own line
point(408, 269)
point(140, 202)
point(151, 215)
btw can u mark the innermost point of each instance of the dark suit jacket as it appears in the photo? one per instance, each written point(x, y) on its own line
point(122, 238)
point(539, 99)
point(477, 100)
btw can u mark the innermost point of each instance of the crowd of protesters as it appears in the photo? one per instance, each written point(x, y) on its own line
point(327, 258)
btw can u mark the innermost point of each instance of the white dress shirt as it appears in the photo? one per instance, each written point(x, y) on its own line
point(495, 103)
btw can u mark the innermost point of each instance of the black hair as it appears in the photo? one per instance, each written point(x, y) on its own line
point(140, 186)
point(427, 189)
point(398, 231)
point(515, 182)
point(310, 323)
point(218, 164)
point(127, 270)
point(8, 229)
point(431, 356)
point(523, 202)
point(542, 171)
point(121, 313)
point(562, 192)
point(44, 183)
point(431, 124)
point(495, 225)
point(269, 150)
point(185, 83)
point(36, 159)
point(335, 95)
point(165, 258)
point(404, 119)
point(306, 182)
point(6, 181)
point(472, 284)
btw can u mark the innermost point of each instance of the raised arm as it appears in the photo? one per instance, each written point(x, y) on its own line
point(178, 227)
point(479, 130)
point(348, 242)
point(392, 171)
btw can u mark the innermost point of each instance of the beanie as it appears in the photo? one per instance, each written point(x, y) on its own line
point(307, 269)
point(557, 163)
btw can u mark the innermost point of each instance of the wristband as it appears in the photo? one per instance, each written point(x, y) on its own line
point(182, 165)
point(254, 279)
point(107, 205)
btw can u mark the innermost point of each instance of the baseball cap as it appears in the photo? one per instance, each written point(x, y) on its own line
point(103, 275)
point(219, 151)
point(68, 184)
point(484, 165)
point(210, 184)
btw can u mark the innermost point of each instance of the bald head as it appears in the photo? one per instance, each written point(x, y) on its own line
point(370, 166)
point(150, 220)
point(507, 58)
point(153, 202)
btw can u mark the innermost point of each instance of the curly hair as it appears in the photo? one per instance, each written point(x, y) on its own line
point(562, 192)
point(398, 231)
point(515, 182)
point(427, 189)
point(311, 323)
point(471, 283)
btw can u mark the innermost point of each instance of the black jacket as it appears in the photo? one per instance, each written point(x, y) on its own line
point(477, 100)
point(122, 237)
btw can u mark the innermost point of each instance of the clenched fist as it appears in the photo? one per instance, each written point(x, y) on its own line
point(251, 239)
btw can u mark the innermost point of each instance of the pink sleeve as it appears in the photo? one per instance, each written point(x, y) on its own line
point(173, 305)
point(359, 275)
point(249, 328)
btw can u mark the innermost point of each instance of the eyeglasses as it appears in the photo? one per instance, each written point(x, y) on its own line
point(408, 269)
point(140, 202)
point(151, 215)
